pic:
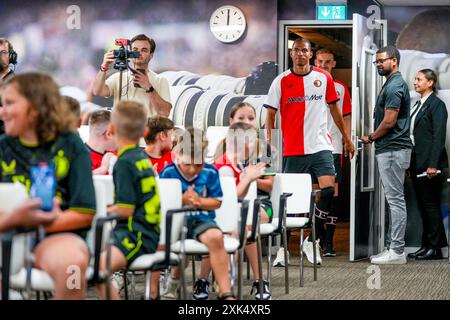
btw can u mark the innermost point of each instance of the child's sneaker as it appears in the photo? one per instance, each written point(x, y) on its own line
point(201, 290)
point(172, 289)
point(266, 290)
point(279, 260)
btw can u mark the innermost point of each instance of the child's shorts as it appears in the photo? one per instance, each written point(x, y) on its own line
point(134, 244)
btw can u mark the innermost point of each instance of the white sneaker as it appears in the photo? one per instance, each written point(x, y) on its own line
point(279, 260)
point(381, 254)
point(390, 258)
point(308, 250)
point(172, 288)
point(117, 281)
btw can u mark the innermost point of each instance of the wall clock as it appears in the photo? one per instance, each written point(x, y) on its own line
point(227, 24)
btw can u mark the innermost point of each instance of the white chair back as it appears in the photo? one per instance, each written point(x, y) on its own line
point(83, 131)
point(107, 181)
point(170, 196)
point(299, 184)
point(227, 216)
point(100, 212)
point(12, 195)
point(214, 135)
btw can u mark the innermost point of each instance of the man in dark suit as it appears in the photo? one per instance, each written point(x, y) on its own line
point(428, 132)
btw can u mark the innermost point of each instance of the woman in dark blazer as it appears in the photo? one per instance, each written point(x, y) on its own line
point(428, 132)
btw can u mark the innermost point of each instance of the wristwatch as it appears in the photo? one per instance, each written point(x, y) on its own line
point(104, 68)
point(369, 137)
point(151, 89)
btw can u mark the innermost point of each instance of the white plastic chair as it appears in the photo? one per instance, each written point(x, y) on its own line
point(83, 131)
point(14, 246)
point(170, 196)
point(40, 280)
point(228, 217)
point(302, 200)
point(214, 135)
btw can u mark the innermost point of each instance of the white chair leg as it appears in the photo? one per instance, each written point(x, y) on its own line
point(148, 284)
point(301, 258)
point(232, 272)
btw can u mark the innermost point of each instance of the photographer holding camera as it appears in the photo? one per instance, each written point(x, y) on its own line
point(139, 84)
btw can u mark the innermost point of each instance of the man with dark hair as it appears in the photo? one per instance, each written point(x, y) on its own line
point(6, 50)
point(142, 85)
point(392, 150)
point(325, 60)
point(304, 95)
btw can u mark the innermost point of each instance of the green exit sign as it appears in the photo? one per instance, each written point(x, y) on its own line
point(331, 12)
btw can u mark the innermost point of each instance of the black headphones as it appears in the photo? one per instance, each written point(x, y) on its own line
point(12, 56)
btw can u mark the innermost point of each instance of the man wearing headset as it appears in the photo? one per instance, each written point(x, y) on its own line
point(7, 57)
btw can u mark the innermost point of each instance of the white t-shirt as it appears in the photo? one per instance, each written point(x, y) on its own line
point(129, 92)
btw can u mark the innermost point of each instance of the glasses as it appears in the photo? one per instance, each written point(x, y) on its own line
point(4, 52)
point(381, 61)
point(302, 51)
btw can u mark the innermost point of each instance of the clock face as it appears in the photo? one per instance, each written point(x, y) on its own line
point(227, 24)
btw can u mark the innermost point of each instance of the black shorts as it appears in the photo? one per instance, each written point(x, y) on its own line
point(266, 204)
point(197, 227)
point(317, 164)
point(133, 244)
point(338, 167)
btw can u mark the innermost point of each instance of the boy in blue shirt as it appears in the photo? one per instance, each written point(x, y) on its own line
point(201, 189)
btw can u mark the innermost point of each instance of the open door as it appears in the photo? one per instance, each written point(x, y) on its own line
point(366, 195)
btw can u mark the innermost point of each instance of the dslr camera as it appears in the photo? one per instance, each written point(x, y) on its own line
point(123, 54)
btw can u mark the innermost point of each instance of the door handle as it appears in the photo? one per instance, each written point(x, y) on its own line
point(359, 144)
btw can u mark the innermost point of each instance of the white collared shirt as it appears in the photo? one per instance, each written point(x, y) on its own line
point(413, 119)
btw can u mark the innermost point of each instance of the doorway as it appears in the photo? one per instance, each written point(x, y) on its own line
point(360, 203)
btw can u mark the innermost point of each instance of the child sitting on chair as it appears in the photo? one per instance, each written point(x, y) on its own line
point(40, 129)
point(136, 193)
point(159, 142)
point(202, 190)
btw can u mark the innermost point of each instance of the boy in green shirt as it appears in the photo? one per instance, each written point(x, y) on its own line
point(136, 193)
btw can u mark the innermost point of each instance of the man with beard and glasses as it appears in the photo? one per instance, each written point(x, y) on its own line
point(392, 150)
point(6, 53)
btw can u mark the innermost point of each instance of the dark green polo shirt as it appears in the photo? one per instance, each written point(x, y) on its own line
point(393, 95)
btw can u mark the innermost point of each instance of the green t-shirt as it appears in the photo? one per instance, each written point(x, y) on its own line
point(72, 162)
point(135, 187)
point(393, 95)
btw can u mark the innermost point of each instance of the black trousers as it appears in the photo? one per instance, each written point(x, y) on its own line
point(428, 193)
